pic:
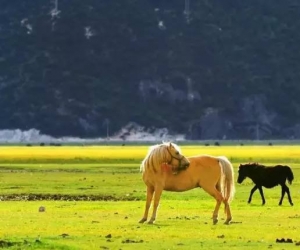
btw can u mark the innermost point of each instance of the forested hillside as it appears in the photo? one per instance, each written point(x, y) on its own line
point(209, 69)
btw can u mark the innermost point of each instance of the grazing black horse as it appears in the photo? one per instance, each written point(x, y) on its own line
point(268, 177)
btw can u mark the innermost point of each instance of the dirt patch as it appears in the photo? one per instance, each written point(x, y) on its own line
point(35, 170)
point(64, 197)
point(6, 244)
point(282, 240)
point(132, 241)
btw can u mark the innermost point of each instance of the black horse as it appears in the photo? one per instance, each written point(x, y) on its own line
point(268, 177)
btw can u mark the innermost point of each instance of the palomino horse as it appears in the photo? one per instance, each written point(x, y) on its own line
point(214, 174)
point(158, 167)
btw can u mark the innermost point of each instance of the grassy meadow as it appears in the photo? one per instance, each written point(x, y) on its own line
point(94, 196)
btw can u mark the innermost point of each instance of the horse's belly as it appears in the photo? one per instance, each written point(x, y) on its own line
point(178, 187)
point(270, 185)
point(173, 189)
point(180, 182)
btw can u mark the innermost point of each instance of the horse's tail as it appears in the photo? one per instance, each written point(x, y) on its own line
point(290, 175)
point(228, 182)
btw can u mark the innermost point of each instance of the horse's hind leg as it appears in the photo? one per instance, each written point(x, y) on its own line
point(227, 209)
point(228, 212)
point(219, 198)
point(285, 189)
point(282, 194)
point(289, 195)
point(150, 191)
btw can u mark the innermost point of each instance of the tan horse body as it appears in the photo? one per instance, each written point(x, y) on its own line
point(158, 165)
point(215, 175)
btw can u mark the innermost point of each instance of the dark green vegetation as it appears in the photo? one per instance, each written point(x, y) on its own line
point(76, 67)
point(71, 182)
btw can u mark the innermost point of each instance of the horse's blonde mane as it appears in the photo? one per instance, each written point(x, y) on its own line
point(157, 154)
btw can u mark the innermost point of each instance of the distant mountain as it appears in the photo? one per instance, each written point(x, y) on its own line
point(206, 69)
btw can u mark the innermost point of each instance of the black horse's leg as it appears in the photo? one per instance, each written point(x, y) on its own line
point(283, 189)
point(262, 195)
point(251, 193)
point(287, 190)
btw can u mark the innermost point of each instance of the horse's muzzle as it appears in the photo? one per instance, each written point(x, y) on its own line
point(185, 166)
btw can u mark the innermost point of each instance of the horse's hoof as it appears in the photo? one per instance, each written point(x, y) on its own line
point(215, 221)
point(150, 222)
point(227, 222)
point(142, 220)
point(292, 204)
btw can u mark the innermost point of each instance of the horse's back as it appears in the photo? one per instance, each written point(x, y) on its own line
point(278, 170)
point(206, 160)
point(205, 167)
point(272, 176)
point(285, 172)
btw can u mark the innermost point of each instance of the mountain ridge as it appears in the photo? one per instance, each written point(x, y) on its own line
point(221, 70)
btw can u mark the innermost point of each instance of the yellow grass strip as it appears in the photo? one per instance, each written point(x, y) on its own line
point(137, 153)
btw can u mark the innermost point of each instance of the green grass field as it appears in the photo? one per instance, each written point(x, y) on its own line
point(94, 197)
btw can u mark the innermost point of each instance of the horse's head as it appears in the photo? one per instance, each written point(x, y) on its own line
point(242, 173)
point(175, 158)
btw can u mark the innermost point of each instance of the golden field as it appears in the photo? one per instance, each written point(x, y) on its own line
point(137, 153)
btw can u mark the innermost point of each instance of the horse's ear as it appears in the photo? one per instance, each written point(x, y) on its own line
point(170, 144)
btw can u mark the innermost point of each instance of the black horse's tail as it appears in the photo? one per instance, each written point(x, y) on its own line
point(290, 175)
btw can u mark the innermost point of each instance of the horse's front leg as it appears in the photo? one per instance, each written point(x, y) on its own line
point(251, 193)
point(262, 195)
point(150, 191)
point(285, 189)
point(157, 195)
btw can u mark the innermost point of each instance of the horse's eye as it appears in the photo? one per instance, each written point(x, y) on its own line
point(177, 153)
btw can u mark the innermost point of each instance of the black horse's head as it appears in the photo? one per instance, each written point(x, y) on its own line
point(242, 173)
